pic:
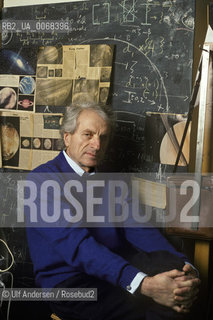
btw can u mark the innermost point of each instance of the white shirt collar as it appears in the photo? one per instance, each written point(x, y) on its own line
point(74, 165)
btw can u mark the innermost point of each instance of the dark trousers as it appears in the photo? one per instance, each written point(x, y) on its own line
point(113, 302)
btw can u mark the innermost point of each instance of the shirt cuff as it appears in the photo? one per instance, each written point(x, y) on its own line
point(136, 282)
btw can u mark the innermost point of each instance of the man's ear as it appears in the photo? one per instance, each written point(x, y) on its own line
point(67, 137)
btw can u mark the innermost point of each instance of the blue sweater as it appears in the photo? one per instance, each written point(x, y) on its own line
point(58, 253)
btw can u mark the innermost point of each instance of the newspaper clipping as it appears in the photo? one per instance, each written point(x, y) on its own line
point(77, 73)
point(17, 92)
point(29, 139)
point(46, 141)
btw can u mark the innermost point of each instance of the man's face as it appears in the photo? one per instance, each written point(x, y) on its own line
point(87, 145)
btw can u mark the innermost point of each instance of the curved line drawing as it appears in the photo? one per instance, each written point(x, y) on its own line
point(6, 37)
point(152, 64)
point(184, 29)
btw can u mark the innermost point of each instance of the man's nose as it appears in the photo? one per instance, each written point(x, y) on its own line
point(96, 143)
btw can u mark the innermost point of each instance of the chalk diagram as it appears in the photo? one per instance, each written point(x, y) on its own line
point(6, 37)
point(134, 87)
point(137, 86)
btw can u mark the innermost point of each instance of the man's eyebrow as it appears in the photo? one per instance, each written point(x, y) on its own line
point(104, 134)
point(88, 130)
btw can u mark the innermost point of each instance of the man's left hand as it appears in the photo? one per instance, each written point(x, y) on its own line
point(188, 292)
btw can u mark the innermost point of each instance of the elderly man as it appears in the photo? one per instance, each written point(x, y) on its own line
point(137, 273)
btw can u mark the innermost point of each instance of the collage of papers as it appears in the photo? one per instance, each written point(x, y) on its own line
point(35, 87)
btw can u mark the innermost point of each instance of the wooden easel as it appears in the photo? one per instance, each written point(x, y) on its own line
point(202, 97)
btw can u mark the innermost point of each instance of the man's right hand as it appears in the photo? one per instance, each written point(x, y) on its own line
point(162, 286)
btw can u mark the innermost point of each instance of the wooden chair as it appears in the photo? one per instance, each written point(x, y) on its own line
point(54, 317)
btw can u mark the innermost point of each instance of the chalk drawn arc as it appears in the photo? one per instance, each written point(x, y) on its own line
point(144, 65)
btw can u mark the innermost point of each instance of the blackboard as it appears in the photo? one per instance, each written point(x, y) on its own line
point(20, 275)
point(152, 69)
point(13, 236)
